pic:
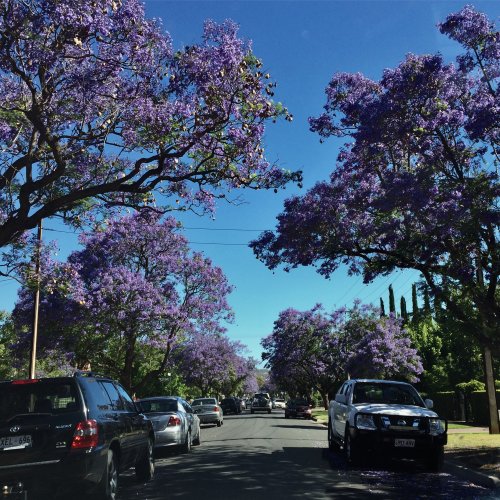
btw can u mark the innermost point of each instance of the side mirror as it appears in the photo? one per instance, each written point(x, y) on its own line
point(429, 404)
point(341, 398)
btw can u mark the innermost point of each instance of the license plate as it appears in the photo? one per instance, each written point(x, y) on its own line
point(404, 443)
point(15, 442)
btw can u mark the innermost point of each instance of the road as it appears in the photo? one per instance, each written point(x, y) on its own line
point(267, 456)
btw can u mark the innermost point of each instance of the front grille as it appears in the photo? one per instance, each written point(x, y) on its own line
point(401, 423)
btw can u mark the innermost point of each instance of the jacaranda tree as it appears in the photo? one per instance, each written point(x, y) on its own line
point(416, 183)
point(98, 110)
point(314, 350)
point(133, 292)
point(212, 363)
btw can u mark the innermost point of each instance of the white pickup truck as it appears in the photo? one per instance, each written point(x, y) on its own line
point(383, 417)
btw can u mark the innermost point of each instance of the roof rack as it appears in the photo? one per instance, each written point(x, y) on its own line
point(88, 373)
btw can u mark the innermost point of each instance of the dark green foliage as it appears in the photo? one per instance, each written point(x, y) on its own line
point(392, 303)
point(404, 312)
point(414, 303)
point(382, 307)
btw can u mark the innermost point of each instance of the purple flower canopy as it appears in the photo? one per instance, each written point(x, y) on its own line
point(416, 182)
point(314, 350)
point(99, 111)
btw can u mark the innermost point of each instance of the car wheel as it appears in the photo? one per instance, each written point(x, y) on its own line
point(186, 447)
point(269, 412)
point(435, 459)
point(351, 449)
point(219, 423)
point(145, 467)
point(286, 415)
point(108, 486)
point(332, 444)
point(197, 441)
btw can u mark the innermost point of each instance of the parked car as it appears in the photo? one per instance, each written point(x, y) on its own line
point(230, 405)
point(298, 408)
point(208, 411)
point(65, 434)
point(380, 417)
point(279, 403)
point(261, 402)
point(174, 422)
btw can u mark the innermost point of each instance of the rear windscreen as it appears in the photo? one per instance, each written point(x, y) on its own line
point(48, 397)
point(158, 406)
point(198, 402)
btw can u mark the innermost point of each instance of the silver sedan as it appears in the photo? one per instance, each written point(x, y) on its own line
point(174, 421)
point(208, 411)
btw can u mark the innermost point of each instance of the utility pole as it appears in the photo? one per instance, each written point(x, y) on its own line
point(34, 337)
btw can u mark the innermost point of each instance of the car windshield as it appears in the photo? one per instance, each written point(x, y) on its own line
point(34, 397)
point(301, 402)
point(228, 400)
point(205, 401)
point(373, 392)
point(159, 405)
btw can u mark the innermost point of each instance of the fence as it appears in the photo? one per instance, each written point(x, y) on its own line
point(469, 407)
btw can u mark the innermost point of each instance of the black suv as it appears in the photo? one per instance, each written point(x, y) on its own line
point(230, 405)
point(66, 436)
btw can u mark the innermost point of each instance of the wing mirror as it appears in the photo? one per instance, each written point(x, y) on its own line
point(429, 404)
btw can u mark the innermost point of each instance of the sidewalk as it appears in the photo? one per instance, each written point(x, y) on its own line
point(480, 466)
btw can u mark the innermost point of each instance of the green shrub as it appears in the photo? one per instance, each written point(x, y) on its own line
point(470, 386)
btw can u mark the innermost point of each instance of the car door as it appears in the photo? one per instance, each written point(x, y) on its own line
point(123, 425)
point(340, 410)
point(137, 424)
point(190, 418)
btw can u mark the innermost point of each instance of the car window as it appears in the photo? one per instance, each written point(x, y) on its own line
point(386, 393)
point(186, 406)
point(127, 400)
point(158, 405)
point(205, 401)
point(116, 401)
point(40, 396)
point(98, 394)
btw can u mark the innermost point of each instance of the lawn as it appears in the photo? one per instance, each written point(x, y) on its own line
point(320, 415)
point(473, 441)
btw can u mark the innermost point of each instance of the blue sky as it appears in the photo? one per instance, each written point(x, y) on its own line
point(302, 43)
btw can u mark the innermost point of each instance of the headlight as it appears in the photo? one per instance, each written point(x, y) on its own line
point(436, 426)
point(365, 422)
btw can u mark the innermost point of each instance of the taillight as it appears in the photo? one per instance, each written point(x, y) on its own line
point(25, 381)
point(215, 408)
point(173, 421)
point(86, 435)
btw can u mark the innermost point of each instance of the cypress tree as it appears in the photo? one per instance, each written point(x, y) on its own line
point(427, 302)
point(414, 304)
point(382, 307)
point(404, 312)
point(392, 304)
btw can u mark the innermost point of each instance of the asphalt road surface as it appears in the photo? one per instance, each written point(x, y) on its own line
point(265, 456)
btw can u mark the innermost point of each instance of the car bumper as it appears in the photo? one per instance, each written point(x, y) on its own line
point(45, 480)
point(208, 418)
point(386, 442)
point(169, 437)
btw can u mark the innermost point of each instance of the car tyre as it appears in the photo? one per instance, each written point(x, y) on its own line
point(186, 447)
point(435, 459)
point(219, 423)
point(145, 467)
point(108, 486)
point(269, 412)
point(197, 441)
point(351, 449)
point(332, 443)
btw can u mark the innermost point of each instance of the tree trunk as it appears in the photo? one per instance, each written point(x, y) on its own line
point(490, 391)
point(324, 395)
